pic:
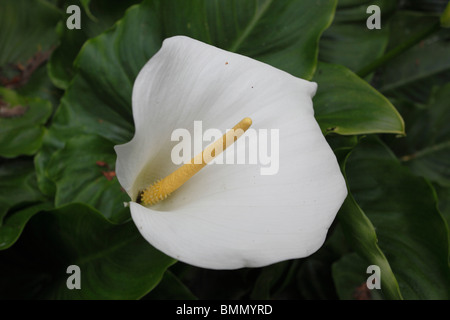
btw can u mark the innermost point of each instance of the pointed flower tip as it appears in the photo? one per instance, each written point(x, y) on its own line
point(228, 216)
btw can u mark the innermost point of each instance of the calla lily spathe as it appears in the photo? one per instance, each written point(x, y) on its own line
point(229, 216)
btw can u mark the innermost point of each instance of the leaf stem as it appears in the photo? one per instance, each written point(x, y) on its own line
point(416, 38)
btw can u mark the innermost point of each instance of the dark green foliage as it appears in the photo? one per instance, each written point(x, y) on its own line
point(61, 204)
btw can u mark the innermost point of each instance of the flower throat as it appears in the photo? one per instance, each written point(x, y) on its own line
point(161, 189)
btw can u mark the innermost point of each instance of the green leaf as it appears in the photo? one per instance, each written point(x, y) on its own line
point(21, 123)
point(83, 171)
point(414, 73)
point(361, 235)
point(426, 148)
point(347, 105)
point(284, 34)
point(27, 39)
point(14, 223)
point(86, 7)
point(20, 198)
point(26, 27)
point(40, 86)
point(428, 140)
point(17, 184)
point(348, 41)
point(114, 260)
point(403, 209)
point(349, 274)
point(341, 143)
point(96, 17)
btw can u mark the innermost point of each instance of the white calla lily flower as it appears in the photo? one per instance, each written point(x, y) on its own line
point(229, 216)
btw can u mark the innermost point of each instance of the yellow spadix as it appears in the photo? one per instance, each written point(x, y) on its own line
point(161, 189)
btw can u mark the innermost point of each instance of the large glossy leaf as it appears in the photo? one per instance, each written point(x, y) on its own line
point(284, 34)
point(348, 41)
point(27, 39)
point(362, 237)
point(96, 17)
point(234, 25)
point(20, 198)
point(413, 73)
point(403, 209)
point(427, 146)
point(26, 27)
point(16, 178)
point(40, 86)
point(21, 123)
point(83, 171)
point(361, 234)
point(99, 98)
point(115, 262)
point(347, 105)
